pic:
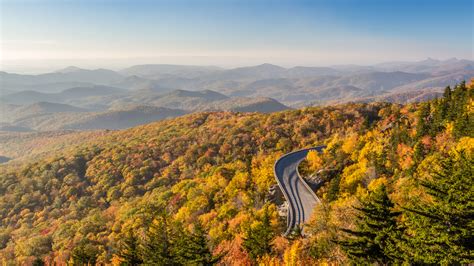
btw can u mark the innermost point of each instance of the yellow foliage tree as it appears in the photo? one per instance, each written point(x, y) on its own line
point(315, 161)
point(297, 255)
point(350, 143)
point(268, 260)
point(291, 256)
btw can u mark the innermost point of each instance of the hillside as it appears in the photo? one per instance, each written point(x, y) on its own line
point(205, 100)
point(244, 104)
point(210, 146)
point(180, 99)
point(23, 146)
point(7, 127)
point(6, 110)
point(102, 107)
point(123, 118)
point(66, 96)
point(18, 112)
point(209, 174)
point(46, 107)
point(111, 119)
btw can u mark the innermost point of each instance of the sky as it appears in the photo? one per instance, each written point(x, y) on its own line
point(118, 33)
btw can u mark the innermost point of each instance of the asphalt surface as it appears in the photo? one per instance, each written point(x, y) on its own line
point(301, 199)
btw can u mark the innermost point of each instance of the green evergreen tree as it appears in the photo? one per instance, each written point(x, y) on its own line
point(377, 236)
point(447, 93)
point(445, 102)
point(461, 112)
point(423, 124)
point(439, 110)
point(258, 240)
point(464, 125)
point(191, 247)
point(85, 253)
point(442, 231)
point(334, 187)
point(418, 153)
point(129, 249)
point(158, 248)
point(38, 262)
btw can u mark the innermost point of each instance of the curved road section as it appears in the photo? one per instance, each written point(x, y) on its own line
point(300, 197)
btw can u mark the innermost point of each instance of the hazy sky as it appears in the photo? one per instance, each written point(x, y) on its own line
point(114, 33)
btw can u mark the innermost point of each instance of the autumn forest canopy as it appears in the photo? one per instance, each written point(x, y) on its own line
point(395, 183)
point(243, 132)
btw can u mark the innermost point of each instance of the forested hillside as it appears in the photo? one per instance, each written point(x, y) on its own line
point(396, 186)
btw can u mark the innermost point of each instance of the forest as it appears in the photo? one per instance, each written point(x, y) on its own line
point(397, 188)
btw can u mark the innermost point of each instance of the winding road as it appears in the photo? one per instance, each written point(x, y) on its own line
point(300, 197)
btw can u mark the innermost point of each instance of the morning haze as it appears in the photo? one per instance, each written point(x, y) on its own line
point(95, 34)
point(236, 132)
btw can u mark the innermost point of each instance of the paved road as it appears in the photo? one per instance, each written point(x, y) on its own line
point(301, 199)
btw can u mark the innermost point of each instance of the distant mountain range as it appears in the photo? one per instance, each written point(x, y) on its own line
point(118, 110)
point(75, 93)
point(75, 98)
point(169, 71)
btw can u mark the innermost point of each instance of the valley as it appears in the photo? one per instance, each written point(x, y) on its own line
point(236, 133)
